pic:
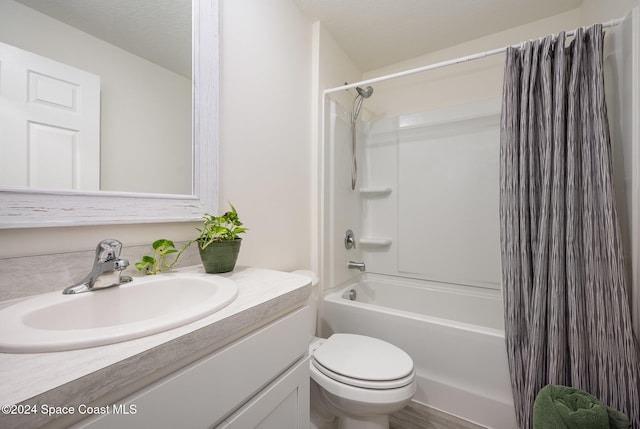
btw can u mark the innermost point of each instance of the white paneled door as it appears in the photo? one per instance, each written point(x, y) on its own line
point(49, 123)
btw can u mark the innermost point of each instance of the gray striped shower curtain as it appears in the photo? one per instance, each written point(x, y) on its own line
point(567, 316)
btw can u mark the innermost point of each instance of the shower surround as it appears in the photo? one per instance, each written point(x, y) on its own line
point(425, 218)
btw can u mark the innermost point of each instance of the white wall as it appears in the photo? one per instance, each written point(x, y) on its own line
point(334, 69)
point(145, 109)
point(265, 159)
point(462, 83)
point(265, 111)
point(593, 11)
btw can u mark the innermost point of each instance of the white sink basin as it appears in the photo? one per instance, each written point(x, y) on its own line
point(148, 305)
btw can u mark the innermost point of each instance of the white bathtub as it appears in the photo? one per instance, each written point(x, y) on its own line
point(454, 334)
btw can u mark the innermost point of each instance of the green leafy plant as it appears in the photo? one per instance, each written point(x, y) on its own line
point(220, 228)
point(158, 261)
point(214, 228)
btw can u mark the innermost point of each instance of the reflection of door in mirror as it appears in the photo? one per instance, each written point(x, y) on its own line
point(50, 123)
point(142, 52)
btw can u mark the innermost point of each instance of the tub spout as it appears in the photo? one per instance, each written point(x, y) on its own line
point(356, 265)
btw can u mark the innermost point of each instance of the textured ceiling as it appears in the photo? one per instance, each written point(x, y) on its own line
point(159, 30)
point(376, 33)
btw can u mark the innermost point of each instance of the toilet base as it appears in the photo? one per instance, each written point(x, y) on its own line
point(371, 422)
point(326, 413)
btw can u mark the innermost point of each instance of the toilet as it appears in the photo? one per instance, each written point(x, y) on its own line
point(357, 381)
point(360, 380)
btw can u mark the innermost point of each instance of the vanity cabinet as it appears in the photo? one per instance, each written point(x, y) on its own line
point(258, 381)
point(283, 404)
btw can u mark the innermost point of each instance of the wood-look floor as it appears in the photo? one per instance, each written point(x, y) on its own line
point(419, 416)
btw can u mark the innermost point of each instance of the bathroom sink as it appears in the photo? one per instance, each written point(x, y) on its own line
point(148, 305)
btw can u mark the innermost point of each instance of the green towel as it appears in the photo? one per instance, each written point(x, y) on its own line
point(560, 407)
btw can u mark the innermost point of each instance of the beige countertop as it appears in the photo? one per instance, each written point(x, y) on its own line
point(39, 381)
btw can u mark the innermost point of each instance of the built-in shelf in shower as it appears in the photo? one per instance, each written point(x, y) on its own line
point(375, 192)
point(375, 241)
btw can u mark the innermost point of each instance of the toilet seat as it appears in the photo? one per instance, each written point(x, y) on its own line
point(377, 397)
point(365, 384)
point(363, 362)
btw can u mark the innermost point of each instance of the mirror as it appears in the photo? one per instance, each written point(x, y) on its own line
point(138, 197)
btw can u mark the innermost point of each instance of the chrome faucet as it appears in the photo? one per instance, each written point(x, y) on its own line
point(356, 265)
point(106, 271)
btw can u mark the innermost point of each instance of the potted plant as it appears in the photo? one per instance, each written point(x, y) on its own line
point(218, 244)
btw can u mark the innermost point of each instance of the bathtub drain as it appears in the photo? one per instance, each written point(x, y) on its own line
point(352, 294)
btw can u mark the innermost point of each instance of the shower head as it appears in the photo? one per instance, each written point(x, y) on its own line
point(365, 93)
point(362, 94)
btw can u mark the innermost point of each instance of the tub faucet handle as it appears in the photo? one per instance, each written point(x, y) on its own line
point(349, 240)
point(356, 265)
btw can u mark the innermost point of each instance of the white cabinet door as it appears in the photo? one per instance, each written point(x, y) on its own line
point(49, 123)
point(208, 391)
point(282, 405)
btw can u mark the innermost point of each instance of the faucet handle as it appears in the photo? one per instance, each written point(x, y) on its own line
point(349, 240)
point(108, 250)
point(120, 264)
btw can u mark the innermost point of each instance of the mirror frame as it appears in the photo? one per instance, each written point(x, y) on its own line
point(24, 208)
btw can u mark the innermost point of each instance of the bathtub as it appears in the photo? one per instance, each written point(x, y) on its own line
point(454, 334)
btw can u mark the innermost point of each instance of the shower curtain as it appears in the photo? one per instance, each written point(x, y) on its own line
point(567, 313)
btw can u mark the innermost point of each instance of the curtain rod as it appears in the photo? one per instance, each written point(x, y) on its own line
point(464, 59)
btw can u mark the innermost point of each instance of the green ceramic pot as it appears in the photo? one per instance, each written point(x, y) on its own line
point(220, 256)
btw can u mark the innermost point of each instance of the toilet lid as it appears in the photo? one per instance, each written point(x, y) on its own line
point(364, 358)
